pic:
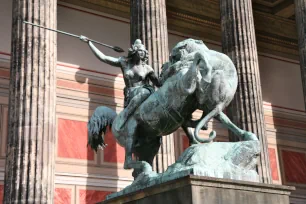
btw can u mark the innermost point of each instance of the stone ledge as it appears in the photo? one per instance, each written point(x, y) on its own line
point(198, 189)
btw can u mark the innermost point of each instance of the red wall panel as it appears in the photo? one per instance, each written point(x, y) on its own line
point(72, 140)
point(113, 152)
point(1, 193)
point(62, 196)
point(294, 166)
point(273, 164)
point(92, 196)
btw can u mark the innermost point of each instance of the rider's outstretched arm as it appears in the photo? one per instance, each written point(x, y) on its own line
point(107, 59)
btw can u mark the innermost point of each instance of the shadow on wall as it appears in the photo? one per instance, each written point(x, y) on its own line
point(94, 175)
point(103, 92)
point(91, 175)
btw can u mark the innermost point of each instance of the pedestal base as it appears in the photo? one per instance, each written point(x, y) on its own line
point(206, 190)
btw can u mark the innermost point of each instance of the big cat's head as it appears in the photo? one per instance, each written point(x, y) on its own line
point(185, 47)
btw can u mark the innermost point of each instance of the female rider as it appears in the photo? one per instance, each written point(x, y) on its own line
point(136, 73)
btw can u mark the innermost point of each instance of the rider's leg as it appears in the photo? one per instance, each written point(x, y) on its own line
point(134, 103)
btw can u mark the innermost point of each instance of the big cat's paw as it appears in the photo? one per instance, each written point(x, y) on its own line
point(247, 136)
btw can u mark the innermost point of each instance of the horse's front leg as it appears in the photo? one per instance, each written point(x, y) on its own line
point(128, 153)
point(129, 163)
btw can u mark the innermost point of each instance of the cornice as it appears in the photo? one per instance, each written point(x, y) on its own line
point(277, 40)
point(193, 19)
point(207, 8)
point(120, 8)
point(203, 20)
point(275, 25)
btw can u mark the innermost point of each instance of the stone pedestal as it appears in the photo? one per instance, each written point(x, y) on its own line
point(199, 190)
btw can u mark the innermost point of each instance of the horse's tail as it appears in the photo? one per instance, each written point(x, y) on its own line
point(204, 121)
point(212, 136)
point(97, 126)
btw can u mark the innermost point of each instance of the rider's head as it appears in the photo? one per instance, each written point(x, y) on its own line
point(139, 51)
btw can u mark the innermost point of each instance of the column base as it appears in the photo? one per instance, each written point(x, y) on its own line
point(198, 189)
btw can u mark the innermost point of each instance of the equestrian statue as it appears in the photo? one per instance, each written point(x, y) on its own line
point(194, 78)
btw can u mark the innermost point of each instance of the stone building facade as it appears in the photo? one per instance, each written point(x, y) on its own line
point(50, 85)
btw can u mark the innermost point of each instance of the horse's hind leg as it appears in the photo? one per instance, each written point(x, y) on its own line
point(242, 134)
point(132, 126)
point(146, 152)
point(129, 143)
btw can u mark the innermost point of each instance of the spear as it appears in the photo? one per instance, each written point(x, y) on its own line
point(115, 48)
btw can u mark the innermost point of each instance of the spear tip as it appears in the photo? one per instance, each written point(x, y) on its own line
point(118, 49)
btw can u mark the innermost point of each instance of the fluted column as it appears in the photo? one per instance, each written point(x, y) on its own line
point(29, 173)
point(149, 24)
point(239, 43)
point(300, 18)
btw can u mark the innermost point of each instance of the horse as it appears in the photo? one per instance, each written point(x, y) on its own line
point(185, 89)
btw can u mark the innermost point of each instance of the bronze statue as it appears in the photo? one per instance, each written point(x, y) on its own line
point(136, 73)
point(195, 78)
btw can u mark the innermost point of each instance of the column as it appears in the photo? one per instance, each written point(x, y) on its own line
point(238, 42)
point(149, 24)
point(29, 176)
point(300, 18)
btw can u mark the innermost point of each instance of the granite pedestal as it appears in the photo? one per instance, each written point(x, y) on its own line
point(206, 190)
